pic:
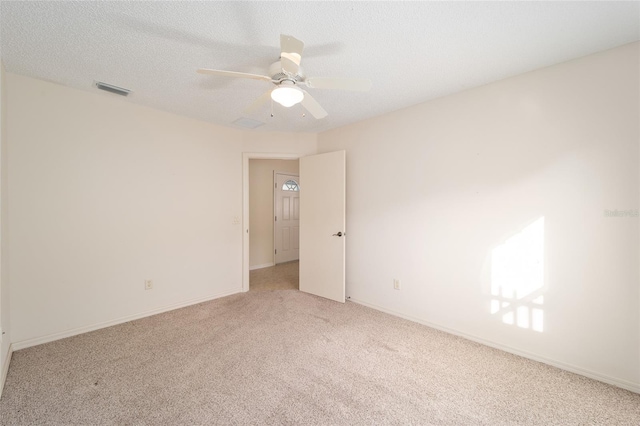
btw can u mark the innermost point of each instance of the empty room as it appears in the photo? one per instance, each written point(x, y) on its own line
point(332, 213)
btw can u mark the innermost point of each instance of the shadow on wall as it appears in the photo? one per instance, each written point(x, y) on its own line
point(517, 278)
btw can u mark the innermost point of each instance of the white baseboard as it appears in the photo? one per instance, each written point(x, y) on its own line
point(73, 332)
point(624, 384)
point(5, 368)
point(264, 265)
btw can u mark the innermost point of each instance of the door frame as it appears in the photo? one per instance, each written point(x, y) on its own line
point(274, 188)
point(246, 156)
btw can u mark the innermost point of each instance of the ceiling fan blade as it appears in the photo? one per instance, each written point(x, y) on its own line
point(258, 102)
point(234, 74)
point(290, 53)
point(313, 106)
point(353, 84)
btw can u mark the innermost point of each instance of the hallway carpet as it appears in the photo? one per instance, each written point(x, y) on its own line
point(286, 357)
point(283, 276)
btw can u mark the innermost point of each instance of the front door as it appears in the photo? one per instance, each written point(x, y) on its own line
point(286, 217)
point(322, 225)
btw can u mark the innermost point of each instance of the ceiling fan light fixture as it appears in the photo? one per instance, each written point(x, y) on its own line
point(287, 95)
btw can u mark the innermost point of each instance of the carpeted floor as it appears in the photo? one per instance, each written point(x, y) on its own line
point(283, 276)
point(286, 357)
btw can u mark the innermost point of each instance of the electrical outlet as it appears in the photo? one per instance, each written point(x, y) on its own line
point(236, 220)
point(148, 284)
point(396, 284)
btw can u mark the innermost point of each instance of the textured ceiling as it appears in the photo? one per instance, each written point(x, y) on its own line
point(412, 51)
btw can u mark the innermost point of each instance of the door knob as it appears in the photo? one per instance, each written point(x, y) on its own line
point(339, 234)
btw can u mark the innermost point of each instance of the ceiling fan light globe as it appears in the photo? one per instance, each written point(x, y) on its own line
point(287, 96)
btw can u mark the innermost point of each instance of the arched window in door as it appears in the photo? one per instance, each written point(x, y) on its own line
point(290, 185)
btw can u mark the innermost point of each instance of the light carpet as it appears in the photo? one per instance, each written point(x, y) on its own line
point(286, 357)
point(283, 276)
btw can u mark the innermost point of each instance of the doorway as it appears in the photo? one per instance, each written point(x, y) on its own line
point(271, 238)
point(322, 222)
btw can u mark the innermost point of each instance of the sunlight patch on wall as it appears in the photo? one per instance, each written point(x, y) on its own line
point(517, 278)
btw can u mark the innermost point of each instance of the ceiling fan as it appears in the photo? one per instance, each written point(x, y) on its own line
point(288, 77)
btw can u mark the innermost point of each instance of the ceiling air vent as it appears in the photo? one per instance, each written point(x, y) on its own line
point(248, 123)
point(113, 89)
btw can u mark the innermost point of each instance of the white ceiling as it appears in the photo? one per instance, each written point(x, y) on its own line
point(412, 51)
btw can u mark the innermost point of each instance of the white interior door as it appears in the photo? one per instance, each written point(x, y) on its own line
point(322, 225)
point(287, 217)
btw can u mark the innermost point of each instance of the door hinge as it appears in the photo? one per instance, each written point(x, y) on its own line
point(275, 184)
point(276, 251)
point(276, 218)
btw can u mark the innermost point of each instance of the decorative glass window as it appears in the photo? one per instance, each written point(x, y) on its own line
point(290, 185)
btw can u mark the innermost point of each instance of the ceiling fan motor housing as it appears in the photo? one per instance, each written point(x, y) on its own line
point(276, 73)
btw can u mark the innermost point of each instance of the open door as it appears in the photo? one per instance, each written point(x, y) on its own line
point(322, 225)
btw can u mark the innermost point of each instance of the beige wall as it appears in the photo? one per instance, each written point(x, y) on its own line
point(261, 208)
point(433, 190)
point(106, 194)
point(5, 318)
